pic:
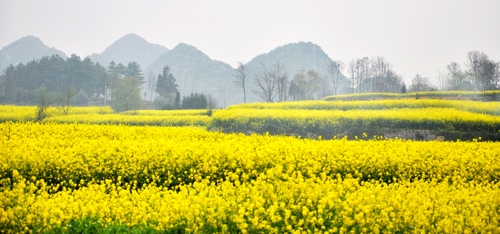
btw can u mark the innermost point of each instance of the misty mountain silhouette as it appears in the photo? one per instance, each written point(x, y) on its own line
point(24, 50)
point(193, 70)
point(130, 47)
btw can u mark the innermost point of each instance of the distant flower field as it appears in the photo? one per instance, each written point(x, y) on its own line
point(105, 115)
point(337, 118)
point(67, 177)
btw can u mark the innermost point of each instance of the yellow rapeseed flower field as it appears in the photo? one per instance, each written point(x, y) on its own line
point(491, 108)
point(199, 181)
point(105, 115)
point(28, 113)
point(333, 122)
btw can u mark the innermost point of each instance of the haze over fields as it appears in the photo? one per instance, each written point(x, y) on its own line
point(202, 42)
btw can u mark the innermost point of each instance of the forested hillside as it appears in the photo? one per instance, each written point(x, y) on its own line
point(23, 82)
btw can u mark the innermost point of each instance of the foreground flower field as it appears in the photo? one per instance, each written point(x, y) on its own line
point(189, 179)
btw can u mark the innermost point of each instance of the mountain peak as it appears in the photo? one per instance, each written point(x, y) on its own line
point(130, 38)
point(25, 50)
point(28, 39)
point(132, 47)
point(184, 46)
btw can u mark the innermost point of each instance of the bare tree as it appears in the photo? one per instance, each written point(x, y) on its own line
point(266, 85)
point(373, 75)
point(279, 74)
point(474, 63)
point(484, 72)
point(456, 79)
point(357, 72)
point(272, 84)
point(365, 82)
point(489, 74)
point(241, 79)
point(151, 84)
point(420, 83)
point(442, 80)
point(64, 99)
point(380, 66)
point(334, 70)
point(44, 102)
point(211, 102)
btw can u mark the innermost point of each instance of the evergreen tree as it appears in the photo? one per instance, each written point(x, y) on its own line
point(134, 70)
point(166, 88)
point(194, 101)
point(121, 69)
point(165, 85)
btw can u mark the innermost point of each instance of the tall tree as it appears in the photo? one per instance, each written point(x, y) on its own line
point(278, 73)
point(134, 70)
point(74, 71)
point(126, 94)
point(419, 84)
point(304, 85)
point(359, 71)
point(475, 64)
point(151, 84)
point(456, 78)
point(58, 67)
point(65, 100)
point(165, 84)
point(121, 69)
point(334, 70)
point(354, 70)
point(240, 75)
point(166, 88)
point(489, 75)
point(266, 85)
point(8, 82)
point(99, 80)
point(272, 84)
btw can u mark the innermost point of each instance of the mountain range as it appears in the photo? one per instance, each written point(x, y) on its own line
point(193, 70)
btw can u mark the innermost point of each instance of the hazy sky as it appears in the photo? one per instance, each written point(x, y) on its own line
point(414, 36)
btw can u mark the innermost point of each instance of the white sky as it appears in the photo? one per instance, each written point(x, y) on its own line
point(414, 36)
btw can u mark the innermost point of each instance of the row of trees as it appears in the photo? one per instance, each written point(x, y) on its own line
point(366, 75)
point(274, 84)
point(480, 74)
point(168, 96)
point(19, 84)
point(373, 75)
point(74, 81)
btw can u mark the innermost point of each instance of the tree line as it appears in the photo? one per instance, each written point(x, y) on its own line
point(274, 84)
point(20, 83)
point(480, 73)
point(168, 96)
point(52, 80)
point(364, 75)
